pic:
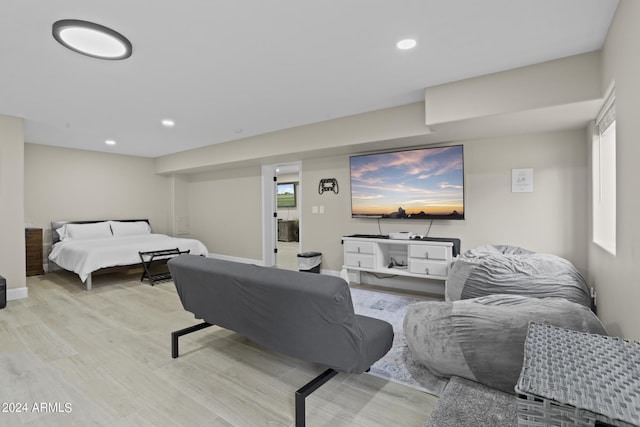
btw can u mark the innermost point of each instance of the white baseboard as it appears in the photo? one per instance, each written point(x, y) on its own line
point(17, 293)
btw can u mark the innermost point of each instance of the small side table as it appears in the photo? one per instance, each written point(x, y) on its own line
point(150, 258)
point(572, 378)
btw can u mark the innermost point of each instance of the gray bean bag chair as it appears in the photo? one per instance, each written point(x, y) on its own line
point(482, 339)
point(490, 269)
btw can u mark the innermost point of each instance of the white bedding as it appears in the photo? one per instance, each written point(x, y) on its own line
point(86, 256)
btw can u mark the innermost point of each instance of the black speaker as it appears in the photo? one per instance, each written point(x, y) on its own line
point(3, 292)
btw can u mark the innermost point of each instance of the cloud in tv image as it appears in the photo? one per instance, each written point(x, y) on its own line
point(416, 184)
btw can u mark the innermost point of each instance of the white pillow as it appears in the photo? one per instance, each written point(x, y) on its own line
point(96, 230)
point(62, 233)
point(136, 228)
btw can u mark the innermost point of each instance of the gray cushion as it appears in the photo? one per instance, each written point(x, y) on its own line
point(505, 269)
point(306, 316)
point(482, 339)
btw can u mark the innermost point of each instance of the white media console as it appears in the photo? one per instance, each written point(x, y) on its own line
point(422, 259)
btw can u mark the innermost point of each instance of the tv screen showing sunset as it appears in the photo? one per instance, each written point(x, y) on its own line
point(416, 184)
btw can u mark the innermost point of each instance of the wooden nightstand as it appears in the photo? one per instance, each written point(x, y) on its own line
point(33, 249)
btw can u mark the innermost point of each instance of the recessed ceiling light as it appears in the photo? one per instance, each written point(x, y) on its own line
point(110, 142)
point(91, 39)
point(406, 44)
point(168, 123)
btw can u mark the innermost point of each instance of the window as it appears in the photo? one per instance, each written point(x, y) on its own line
point(286, 195)
point(604, 177)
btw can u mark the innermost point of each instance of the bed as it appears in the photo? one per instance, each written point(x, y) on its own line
point(86, 247)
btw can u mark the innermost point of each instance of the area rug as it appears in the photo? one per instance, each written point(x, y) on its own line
point(467, 403)
point(397, 365)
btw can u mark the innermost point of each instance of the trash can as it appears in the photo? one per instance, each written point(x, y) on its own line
point(3, 292)
point(309, 262)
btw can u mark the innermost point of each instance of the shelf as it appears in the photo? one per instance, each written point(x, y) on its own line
point(424, 259)
point(393, 272)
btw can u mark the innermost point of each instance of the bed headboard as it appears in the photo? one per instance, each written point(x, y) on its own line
point(55, 238)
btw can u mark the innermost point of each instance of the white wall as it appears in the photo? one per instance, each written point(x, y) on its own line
point(565, 81)
point(12, 255)
point(285, 145)
point(179, 205)
point(553, 218)
point(225, 206)
point(616, 277)
point(68, 184)
point(225, 212)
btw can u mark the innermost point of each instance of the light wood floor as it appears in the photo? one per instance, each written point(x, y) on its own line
point(103, 357)
point(287, 258)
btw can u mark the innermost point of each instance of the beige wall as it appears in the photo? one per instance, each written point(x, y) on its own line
point(67, 184)
point(286, 145)
point(616, 277)
point(12, 258)
point(551, 219)
point(225, 206)
point(225, 211)
point(179, 205)
point(571, 80)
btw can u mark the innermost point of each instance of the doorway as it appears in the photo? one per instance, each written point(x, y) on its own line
point(282, 198)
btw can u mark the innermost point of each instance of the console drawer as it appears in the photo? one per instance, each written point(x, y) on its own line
point(359, 260)
point(427, 267)
point(429, 252)
point(359, 247)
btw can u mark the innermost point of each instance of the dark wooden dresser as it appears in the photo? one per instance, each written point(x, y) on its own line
point(33, 249)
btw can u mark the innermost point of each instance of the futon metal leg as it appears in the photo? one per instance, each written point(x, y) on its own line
point(175, 335)
point(306, 390)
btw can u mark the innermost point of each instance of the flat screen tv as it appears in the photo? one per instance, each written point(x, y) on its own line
point(425, 183)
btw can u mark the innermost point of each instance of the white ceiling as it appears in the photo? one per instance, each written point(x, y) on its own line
point(225, 70)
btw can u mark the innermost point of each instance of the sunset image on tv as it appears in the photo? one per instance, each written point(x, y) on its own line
point(420, 184)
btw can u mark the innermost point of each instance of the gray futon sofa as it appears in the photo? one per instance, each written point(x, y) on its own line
point(303, 315)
